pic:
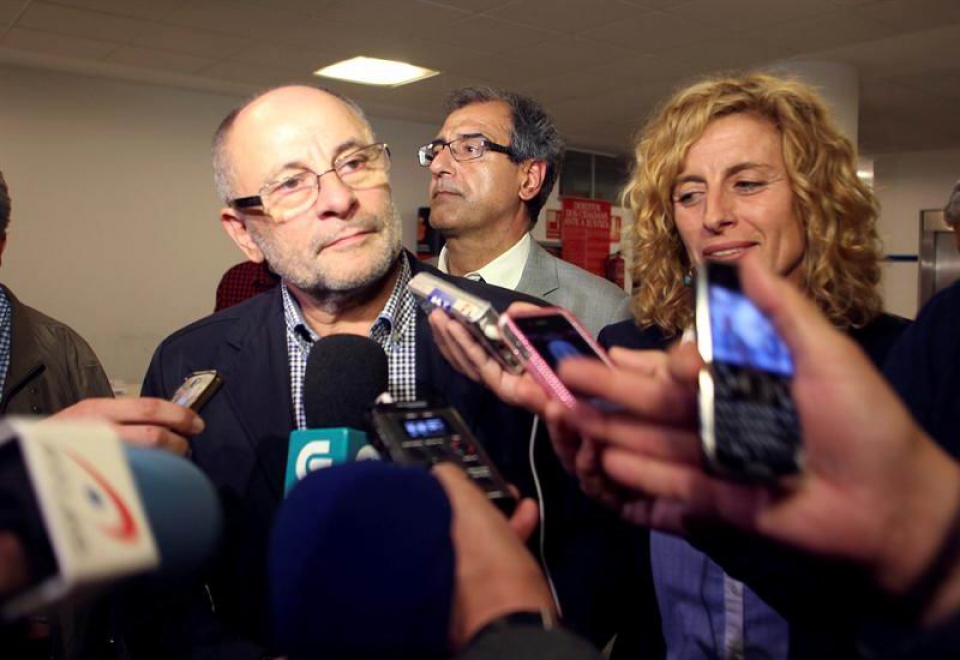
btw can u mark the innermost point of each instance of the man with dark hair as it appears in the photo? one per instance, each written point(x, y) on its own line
point(922, 366)
point(493, 165)
point(306, 188)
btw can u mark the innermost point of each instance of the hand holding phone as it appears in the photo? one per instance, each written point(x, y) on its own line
point(196, 389)
point(748, 422)
point(542, 338)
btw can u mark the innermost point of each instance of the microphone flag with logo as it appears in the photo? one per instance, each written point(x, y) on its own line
point(89, 510)
point(344, 376)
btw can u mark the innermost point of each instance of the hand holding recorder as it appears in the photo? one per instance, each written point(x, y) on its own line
point(539, 339)
point(515, 354)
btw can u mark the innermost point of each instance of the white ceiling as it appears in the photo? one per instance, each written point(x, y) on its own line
point(598, 65)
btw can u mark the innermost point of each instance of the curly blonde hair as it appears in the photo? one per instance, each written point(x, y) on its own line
point(841, 266)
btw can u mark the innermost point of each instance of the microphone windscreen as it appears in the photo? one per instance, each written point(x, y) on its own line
point(344, 376)
point(362, 565)
point(182, 508)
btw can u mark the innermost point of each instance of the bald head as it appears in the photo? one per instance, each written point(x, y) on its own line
point(303, 105)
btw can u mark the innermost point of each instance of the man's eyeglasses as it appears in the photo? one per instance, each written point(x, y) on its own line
point(297, 191)
point(465, 148)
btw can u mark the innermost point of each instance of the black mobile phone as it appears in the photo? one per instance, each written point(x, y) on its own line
point(749, 426)
point(430, 432)
point(196, 389)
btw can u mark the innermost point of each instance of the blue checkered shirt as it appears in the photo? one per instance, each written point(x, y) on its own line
point(394, 329)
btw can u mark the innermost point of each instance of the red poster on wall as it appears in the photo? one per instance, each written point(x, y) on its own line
point(586, 233)
point(553, 225)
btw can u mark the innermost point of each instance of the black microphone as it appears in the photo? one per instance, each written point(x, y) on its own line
point(345, 374)
point(361, 565)
point(88, 510)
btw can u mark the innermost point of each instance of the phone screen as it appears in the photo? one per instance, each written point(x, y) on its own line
point(743, 336)
point(554, 338)
point(752, 418)
point(196, 389)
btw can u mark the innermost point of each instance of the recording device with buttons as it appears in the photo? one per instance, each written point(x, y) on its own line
point(429, 432)
point(476, 314)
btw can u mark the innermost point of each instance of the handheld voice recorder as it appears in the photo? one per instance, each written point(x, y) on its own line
point(478, 315)
point(429, 432)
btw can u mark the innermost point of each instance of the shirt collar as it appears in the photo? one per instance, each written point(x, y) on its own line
point(505, 270)
point(293, 315)
point(390, 317)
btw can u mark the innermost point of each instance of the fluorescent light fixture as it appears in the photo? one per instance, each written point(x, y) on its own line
point(371, 71)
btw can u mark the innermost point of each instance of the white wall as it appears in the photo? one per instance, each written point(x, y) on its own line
point(114, 227)
point(907, 183)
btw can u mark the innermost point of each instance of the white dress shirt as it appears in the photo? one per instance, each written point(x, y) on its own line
point(503, 271)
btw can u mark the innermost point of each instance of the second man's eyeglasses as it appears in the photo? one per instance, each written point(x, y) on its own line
point(465, 148)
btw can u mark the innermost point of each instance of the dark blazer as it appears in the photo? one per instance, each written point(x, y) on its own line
point(243, 451)
point(924, 368)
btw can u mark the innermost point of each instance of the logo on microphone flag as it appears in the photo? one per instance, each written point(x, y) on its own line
point(314, 449)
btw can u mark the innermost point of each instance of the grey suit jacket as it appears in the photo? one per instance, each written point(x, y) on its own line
point(595, 301)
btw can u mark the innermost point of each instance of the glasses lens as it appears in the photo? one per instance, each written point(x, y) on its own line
point(291, 193)
point(364, 167)
point(468, 148)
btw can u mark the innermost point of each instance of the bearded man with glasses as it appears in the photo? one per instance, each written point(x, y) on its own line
point(306, 187)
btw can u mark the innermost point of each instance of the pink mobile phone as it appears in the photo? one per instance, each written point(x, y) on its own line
point(542, 338)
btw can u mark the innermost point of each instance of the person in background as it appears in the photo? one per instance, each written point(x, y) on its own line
point(492, 167)
point(44, 365)
point(951, 212)
point(245, 280)
point(47, 369)
point(924, 366)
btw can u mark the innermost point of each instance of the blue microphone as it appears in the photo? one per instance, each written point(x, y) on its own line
point(361, 565)
point(344, 376)
point(182, 506)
